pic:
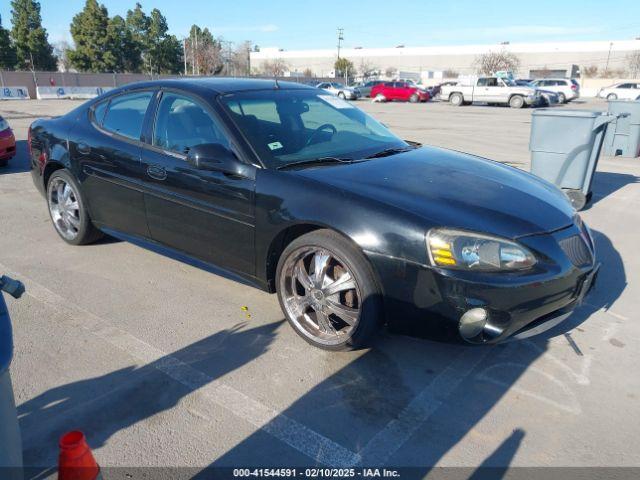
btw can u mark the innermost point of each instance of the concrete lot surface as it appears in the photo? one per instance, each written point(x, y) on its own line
point(160, 364)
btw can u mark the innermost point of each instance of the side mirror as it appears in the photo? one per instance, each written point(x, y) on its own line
point(216, 157)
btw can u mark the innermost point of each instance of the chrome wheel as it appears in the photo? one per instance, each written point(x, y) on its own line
point(320, 295)
point(64, 208)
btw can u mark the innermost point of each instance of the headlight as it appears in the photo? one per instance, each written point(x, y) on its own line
point(461, 250)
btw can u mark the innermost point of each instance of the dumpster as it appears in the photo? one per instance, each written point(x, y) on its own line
point(623, 135)
point(565, 146)
point(10, 440)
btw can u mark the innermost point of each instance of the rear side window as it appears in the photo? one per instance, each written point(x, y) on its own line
point(125, 114)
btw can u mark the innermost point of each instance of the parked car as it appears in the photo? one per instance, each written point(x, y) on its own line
point(340, 90)
point(11, 451)
point(400, 91)
point(491, 90)
point(621, 91)
point(547, 97)
point(365, 88)
point(568, 89)
point(7, 142)
point(305, 195)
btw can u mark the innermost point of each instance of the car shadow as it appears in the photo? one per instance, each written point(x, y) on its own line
point(607, 183)
point(104, 405)
point(20, 163)
point(406, 402)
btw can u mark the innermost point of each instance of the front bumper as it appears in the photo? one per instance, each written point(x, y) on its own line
point(7, 145)
point(517, 304)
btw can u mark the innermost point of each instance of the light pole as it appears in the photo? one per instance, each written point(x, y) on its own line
point(606, 67)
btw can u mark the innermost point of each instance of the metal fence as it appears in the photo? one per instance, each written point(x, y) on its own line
point(31, 80)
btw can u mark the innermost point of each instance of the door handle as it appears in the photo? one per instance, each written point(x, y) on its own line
point(83, 148)
point(157, 171)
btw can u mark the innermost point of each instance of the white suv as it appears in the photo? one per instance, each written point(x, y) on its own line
point(622, 91)
point(567, 88)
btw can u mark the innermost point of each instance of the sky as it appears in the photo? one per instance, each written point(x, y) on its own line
point(303, 24)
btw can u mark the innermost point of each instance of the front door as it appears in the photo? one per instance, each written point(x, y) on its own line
point(209, 215)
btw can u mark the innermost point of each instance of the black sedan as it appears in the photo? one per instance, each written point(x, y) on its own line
point(298, 192)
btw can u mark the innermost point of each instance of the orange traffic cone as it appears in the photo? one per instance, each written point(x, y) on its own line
point(76, 461)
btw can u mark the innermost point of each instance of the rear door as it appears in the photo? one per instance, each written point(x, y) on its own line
point(106, 148)
point(206, 214)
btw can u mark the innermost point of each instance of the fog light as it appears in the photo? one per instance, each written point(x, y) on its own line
point(472, 323)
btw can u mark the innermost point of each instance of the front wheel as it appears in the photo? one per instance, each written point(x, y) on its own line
point(68, 210)
point(414, 98)
point(328, 291)
point(612, 96)
point(342, 95)
point(516, 101)
point(380, 98)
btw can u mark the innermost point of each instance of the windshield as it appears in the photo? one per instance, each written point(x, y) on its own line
point(509, 82)
point(290, 126)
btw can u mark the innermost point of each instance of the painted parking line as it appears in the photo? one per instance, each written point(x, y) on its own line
point(391, 438)
point(305, 440)
point(296, 435)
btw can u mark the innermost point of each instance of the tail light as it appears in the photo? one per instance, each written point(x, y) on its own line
point(574, 87)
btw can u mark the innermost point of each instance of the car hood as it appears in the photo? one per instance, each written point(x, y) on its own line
point(453, 189)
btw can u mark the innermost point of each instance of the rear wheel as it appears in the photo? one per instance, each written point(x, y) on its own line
point(380, 98)
point(68, 210)
point(328, 291)
point(342, 95)
point(612, 96)
point(4, 163)
point(456, 99)
point(516, 101)
point(562, 98)
point(414, 98)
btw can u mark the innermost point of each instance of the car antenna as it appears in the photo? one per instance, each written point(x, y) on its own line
point(277, 85)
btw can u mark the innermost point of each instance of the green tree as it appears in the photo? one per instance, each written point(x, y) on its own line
point(8, 58)
point(30, 38)
point(161, 52)
point(124, 53)
point(93, 52)
point(344, 67)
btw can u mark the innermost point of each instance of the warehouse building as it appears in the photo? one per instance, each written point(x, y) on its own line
point(564, 59)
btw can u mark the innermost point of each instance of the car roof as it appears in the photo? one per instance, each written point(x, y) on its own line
point(218, 85)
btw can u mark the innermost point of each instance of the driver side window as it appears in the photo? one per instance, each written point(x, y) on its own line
point(182, 123)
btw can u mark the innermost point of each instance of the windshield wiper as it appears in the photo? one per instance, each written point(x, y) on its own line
point(316, 161)
point(390, 151)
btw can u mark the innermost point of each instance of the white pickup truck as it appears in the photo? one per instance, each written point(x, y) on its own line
point(491, 90)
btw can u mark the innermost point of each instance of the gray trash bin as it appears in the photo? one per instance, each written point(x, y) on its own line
point(565, 146)
point(10, 442)
point(623, 135)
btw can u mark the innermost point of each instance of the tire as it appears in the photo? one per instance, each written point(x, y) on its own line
point(308, 302)
point(456, 99)
point(72, 224)
point(342, 95)
point(414, 98)
point(516, 101)
point(380, 98)
point(4, 163)
point(612, 96)
point(562, 98)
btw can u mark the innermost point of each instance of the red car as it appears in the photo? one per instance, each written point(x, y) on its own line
point(402, 91)
point(7, 142)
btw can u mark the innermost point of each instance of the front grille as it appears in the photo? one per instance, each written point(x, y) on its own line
point(577, 250)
